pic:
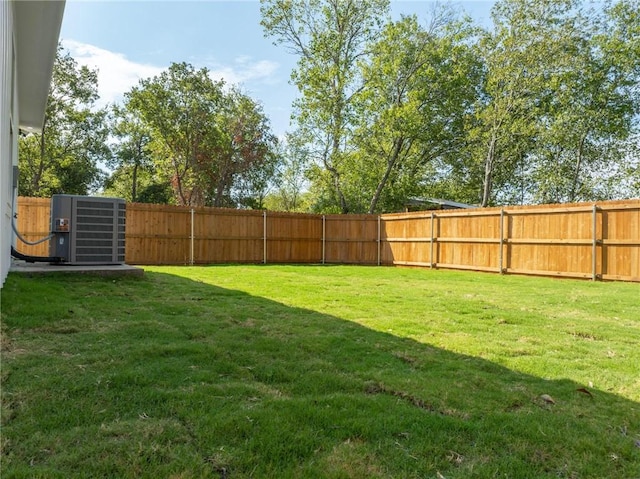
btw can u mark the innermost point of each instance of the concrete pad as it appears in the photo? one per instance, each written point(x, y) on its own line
point(33, 269)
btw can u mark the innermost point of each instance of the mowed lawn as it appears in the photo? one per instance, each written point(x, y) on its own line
point(319, 372)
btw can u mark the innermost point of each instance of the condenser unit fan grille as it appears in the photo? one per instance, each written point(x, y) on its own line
point(97, 229)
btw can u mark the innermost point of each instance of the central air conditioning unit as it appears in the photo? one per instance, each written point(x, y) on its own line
point(87, 230)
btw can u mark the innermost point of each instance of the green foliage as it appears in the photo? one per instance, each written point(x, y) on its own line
point(64, 156)
point(253, 159)
point(420, 85)
point(558, 105)
point(214, 146)
point(289, 178)
point(156, 192)
point(180, 107)
point(296, 372)
point(330, 38)
point(541, 107)
point(132, 162)
point(150, 187)
point(590, 109)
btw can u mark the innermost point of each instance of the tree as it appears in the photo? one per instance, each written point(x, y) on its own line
point(330, 37)
point(180, 107)
point(208, 142)
point(561, 95)
point(589, 111)
point(420, 84)
point(64, 156)
point(252, 160)
point(290, 177)
point(132, 155)
point(526, 42)
point(545, 107)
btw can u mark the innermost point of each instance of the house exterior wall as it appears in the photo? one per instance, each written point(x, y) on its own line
point(8, 133)
point(29, 32)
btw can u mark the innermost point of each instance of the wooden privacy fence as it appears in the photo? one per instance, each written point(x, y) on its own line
point(596, 241)
point(158, 234)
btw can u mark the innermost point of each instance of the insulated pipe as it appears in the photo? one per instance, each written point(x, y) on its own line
point(15, 228)
point(33, 259)
point(30, 243)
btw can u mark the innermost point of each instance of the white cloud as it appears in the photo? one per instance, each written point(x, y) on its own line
point(243, 70)
point(116, 74)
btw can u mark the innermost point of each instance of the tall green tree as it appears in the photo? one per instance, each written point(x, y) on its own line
point(132, 162)
point(329, 37)
point(251, 160)
point(541, 107)
point(526, 41)
point(180, 106)
point(592, 99)
point(64, 157)
point(290, 179)
point(561, 96)
point(420, 84)
point(209, 142)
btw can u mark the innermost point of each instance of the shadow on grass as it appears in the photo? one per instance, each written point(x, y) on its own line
point(167, 377)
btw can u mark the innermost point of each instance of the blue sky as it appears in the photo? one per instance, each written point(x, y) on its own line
point(130, 40)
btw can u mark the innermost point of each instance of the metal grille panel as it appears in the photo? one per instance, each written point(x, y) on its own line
point(97, 229)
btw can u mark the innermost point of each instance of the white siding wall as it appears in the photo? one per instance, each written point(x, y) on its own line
point(8, 145)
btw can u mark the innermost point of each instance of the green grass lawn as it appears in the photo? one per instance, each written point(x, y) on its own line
point(319, 372)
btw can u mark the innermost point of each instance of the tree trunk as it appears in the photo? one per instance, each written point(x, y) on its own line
point(343, 201)
point(488, 171)
point(337, 133)
point(382, 183)
point(134, 181)
point(576, 171)
point(177, 183)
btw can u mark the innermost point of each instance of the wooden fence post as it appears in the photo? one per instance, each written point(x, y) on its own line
point(379, 241)
point(501, 241)
point(594, 247)
point(264, 236)
point(191, 242)
point(431, 243)
point(324, 237)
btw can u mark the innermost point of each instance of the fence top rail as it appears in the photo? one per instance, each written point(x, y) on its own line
point(31, 200)
point(551, 211)
point(403, 216)
point(351, 217)
point(632, 203)
point(616, 205)
point(187, 209)
point(441, 213)
point(576, 209)
point(631, 206)
point(293, 216)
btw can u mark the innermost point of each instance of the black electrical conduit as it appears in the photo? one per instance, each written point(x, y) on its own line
point(33, 259)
